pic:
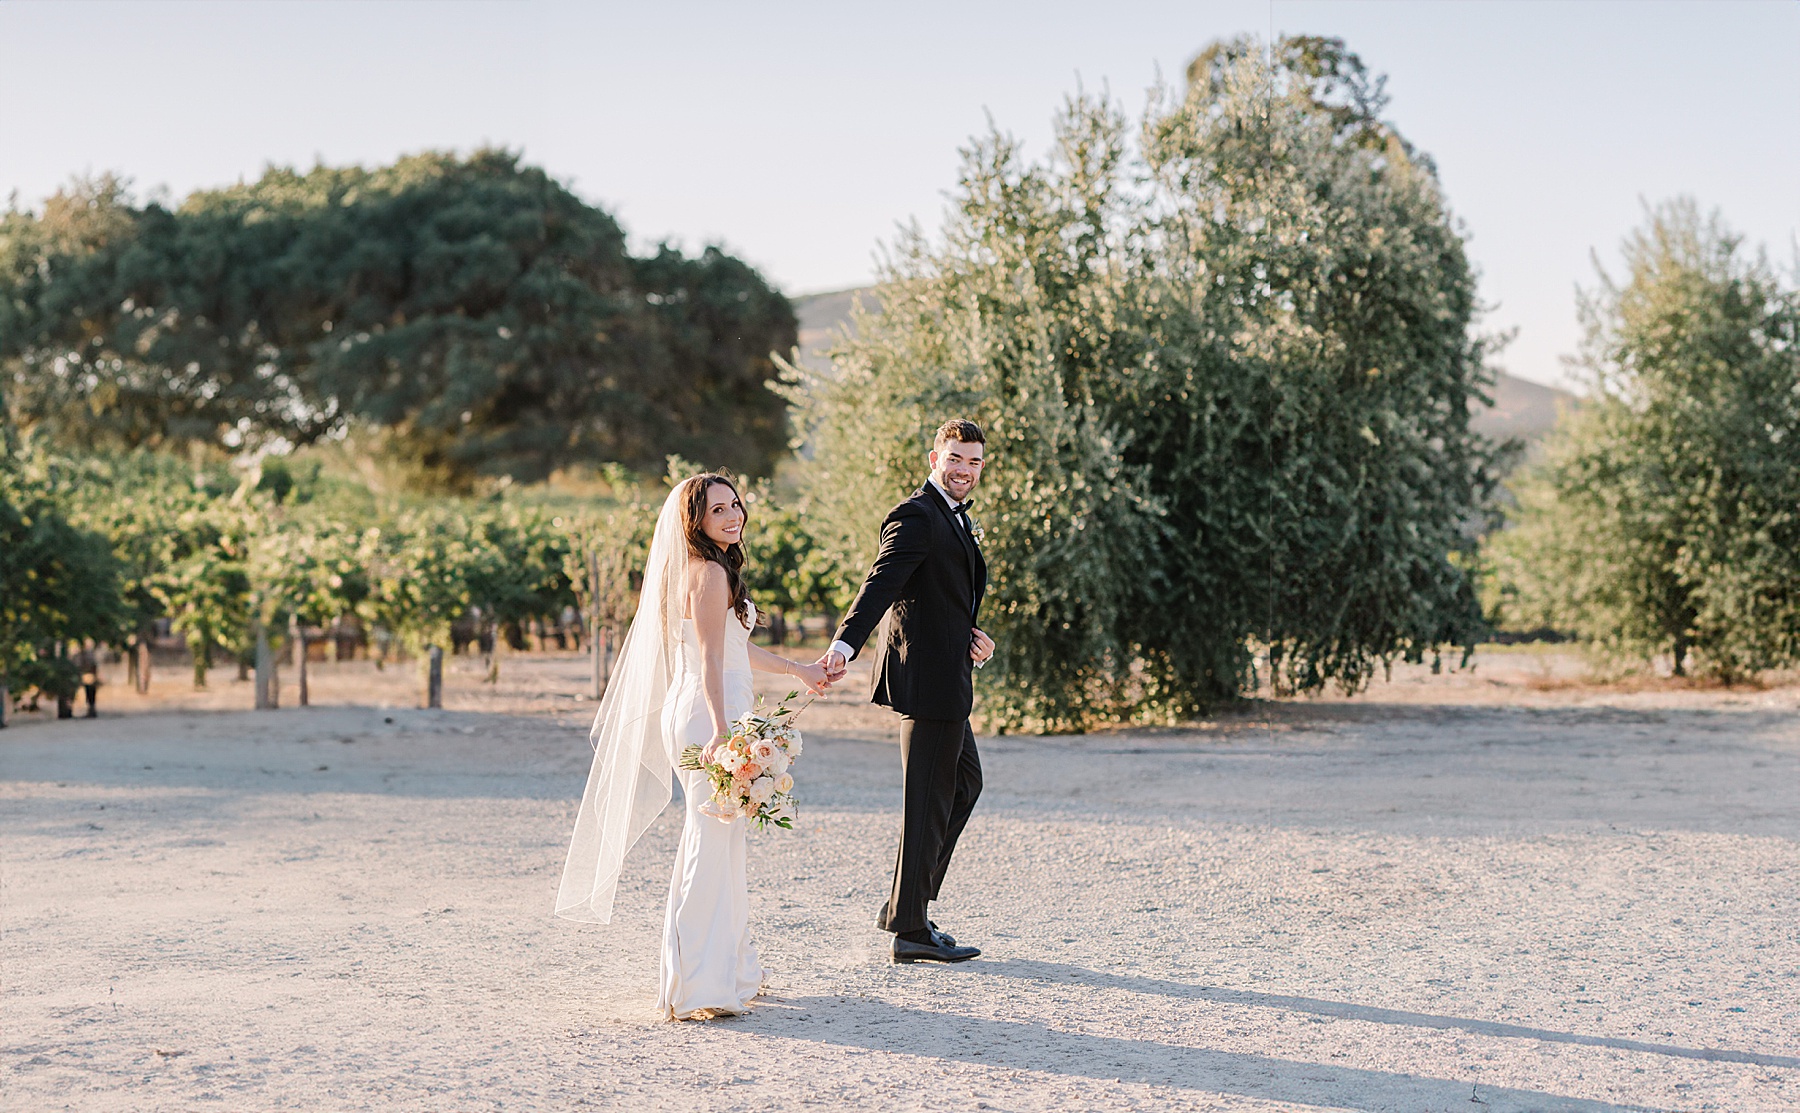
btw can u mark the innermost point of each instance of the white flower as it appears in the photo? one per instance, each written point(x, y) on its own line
point(777, 763)
point(761, 789)
point(784, 783)
point(761, 751)
point(731, 760)
point(719, 809)
point(793, 746)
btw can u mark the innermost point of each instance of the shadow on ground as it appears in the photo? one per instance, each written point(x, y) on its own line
point(1054, 972)
point(1029, 1046)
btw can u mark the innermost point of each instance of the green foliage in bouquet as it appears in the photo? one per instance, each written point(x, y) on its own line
point(1225, 365)
point(1665, 516)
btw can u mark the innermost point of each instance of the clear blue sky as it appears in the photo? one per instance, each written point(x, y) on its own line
point(801, 134)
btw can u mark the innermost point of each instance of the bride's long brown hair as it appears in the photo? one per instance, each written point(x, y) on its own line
point(702, 547)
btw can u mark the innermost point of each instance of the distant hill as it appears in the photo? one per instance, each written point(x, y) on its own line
point(820, 315)
point(1521, 408)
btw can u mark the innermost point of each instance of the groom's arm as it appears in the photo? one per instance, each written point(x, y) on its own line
point(905, 540)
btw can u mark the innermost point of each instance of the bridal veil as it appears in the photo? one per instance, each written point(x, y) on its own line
point(629, 783)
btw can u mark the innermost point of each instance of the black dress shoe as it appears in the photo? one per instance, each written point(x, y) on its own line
point(944, 937)
point(905, 950)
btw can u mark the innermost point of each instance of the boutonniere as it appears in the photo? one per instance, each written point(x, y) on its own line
point(976, 531)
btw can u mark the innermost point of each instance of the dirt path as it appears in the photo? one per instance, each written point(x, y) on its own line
point(1467, 893)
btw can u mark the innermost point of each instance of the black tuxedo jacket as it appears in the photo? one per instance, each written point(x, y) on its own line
point(930, 575)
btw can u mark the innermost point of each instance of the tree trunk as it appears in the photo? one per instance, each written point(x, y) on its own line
point(131, 665)
point(143, 665)
point(5, 703)
point(297, 635)
point(265, 672)
point(434, 677)
point(201, 650)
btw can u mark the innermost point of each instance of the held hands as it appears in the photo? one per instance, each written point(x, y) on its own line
point(981, 648)
point(833, 665)
point(814, 676)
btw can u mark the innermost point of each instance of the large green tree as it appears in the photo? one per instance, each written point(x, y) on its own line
point(1227, 372)
point(1664, 519)
point(472, 314)
point(1310, 414)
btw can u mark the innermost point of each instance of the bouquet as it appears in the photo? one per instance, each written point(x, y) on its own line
point(749, 768)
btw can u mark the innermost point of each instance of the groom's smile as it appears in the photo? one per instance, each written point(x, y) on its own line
point(957, 467)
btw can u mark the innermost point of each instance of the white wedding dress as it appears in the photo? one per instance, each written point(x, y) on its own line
point(654, 706)
point(708, 961)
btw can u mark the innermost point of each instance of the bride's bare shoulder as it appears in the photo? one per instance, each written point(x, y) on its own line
point(706, 575)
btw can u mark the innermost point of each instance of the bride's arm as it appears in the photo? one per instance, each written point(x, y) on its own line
point(813, 676)
point(710, 596)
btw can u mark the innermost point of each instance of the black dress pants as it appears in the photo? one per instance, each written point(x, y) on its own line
point(942, 774)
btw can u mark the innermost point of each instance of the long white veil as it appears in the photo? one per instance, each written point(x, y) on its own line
point(629, 784)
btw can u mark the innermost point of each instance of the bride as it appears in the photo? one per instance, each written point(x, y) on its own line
point(682, 675)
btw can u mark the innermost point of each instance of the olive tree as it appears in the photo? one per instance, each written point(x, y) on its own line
point(1664, 519)
point(1226, 364)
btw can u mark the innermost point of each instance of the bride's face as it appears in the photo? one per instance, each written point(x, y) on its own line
point(724, 519)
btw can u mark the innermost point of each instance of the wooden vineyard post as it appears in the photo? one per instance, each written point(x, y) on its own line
point(265, 671)
point(596, 640)
point(434, 677)
point(297, 635)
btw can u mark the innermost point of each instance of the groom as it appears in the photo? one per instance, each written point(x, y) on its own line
point(927, 579)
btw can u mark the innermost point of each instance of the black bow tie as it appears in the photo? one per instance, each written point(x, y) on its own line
point(963, 507)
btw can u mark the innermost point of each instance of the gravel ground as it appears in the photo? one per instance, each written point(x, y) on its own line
point(1504, 890)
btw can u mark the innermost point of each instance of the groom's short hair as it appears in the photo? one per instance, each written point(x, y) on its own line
point(956, 429)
